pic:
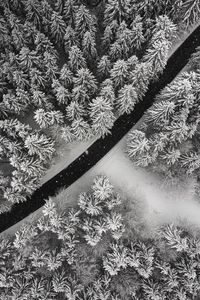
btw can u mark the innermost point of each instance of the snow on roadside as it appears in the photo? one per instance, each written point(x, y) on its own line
point(66, 154)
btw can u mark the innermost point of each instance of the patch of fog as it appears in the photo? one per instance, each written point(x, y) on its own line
point(160, 204)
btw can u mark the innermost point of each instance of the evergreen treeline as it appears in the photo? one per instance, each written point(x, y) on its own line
point(76, 70)
point(91, 252)
point(168, 140)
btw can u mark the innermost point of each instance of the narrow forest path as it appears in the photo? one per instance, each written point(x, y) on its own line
point(102, 146)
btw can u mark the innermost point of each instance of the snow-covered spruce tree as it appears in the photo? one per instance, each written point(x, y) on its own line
point(40, 145)
point(33, 11)
point(137, 33)
point(49, 118)
point(86, 81)
point(140, 78)
point(190, 10)
point(126, 100)
point(104, 67)
point(69, 11)
point(164, 26)
point(139, 148)
point(123, 45)
point(109, 34)
point(107, 92)
point(102, 188)
point(89, 46)
point(58, 27)
point(66, 76)
point(101, 115)
point(28, 165)
point(76, 59)
point(195, 59)
point(50, 66)
point(75, 110)
point(160, 113)
point(70, 39)
point(40, 99)
point(63, 95)
point(119, 73)
point(12, 104)
point(116, 10)
point(80, 129)
point(84, 22)
point(156, 55)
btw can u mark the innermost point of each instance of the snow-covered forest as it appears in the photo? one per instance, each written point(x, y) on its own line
point(93, 252)
point(69, 69)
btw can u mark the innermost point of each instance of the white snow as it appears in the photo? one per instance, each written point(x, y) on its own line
point(66, 154)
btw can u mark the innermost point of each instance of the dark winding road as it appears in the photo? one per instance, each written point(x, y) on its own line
point(99, 148)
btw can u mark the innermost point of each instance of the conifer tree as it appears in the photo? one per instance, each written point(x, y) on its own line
point(137, 33)
point(50, 118)
point(138, 147)
point(140, 78)
point(191, 12)
point(70, 39)
point(103, 67)
point(50, 63)
point(40, 100)
point(80, 129)
point(58, 27)
point(101, 115)
point(33, 11)
point(37, 78)
point(80, 95)
point(119, 73)
point(190, 162)
point(69, 12)
point(27, 58)
point(20, 79)
point(126, 100)
point(86, 81)
point(40, 145)
point(84, 22)
point(116, 10)
point(124, 41)
point(109, 34)
point(11, 104)
point(89, 46)
point(160, 113)
point(59, 6)
point(164, 28)
point(102, 188)
point(195, 59)
point(107, 92)
point(42, 44)
point(76, 59)
point(75, 111)
point(59, 281)
point(116, 51)
point(156, 55)
point(62, 94)
point(66, 134)
point(66, 76)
